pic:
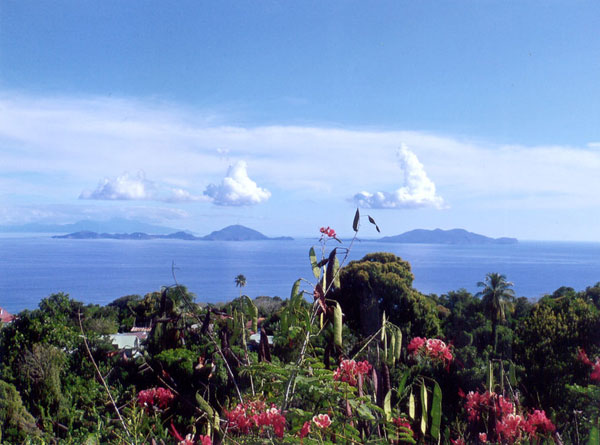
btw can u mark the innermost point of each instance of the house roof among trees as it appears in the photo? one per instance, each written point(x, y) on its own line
point(5, 316)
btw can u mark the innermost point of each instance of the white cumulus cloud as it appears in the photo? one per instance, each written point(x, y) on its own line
point(136, 188)
point(417, 189)
point(237, 189)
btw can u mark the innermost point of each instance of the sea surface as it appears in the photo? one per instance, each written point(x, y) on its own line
point(99, 271)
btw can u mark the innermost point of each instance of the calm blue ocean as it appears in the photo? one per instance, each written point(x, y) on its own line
point(99, 271)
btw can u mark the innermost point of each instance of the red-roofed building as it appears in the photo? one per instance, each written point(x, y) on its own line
point(6, 317)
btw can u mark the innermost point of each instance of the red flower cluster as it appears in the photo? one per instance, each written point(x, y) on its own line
point(255, 415)
point(305, 430)
point(510, 426)
point(538, 422)
point(595, 375)
point(327, 231)
point(349, 370)
point(160, 397)
point(484, 402)
point(431, 347)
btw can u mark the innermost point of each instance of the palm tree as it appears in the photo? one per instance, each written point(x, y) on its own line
point(495, 297)
point(240, 281)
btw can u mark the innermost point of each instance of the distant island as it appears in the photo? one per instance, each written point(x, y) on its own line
point(439, 236)
point(229, 233)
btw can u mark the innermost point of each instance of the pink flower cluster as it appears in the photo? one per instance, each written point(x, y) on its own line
point(327, 231)
point(255, 415)
point(431, 347)
point(477, 403)
point(160, 397)
point(349, 370)
point(583, 357)
point(510, 426)
point(322, 421)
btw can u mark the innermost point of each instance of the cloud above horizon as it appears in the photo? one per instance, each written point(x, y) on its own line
point(236, 188)
point(51, 146)
point(137, 188)
point(417, 189)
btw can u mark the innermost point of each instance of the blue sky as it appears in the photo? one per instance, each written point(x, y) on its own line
point(283, 116)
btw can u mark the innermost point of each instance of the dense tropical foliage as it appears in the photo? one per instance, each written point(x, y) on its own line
point(354, 355)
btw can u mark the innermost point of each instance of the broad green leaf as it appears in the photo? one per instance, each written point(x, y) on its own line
point(387, 406)
point(337, 325)
point(283, 323)
point(336, 275)
point(204, 405)
point(295, 289)
point(398, 343)
point(355, 222)
point(436, 411)
point(424, 409)
point(411, 406)
point(252, 311)
point(392, 355)
point(331, 266)
point(313, 262)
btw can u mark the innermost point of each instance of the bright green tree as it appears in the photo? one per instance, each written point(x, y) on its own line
point(383, 282)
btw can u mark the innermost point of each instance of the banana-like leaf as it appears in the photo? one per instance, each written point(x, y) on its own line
point(337, 325)
point(392, 356)
point(331, 266)
point(336, 275)
point(251, 311)
point(398, 343)
point(436, 411)
point(387, 406)
point(213, 416)
point(424, 408)
point(313, 262)
point(295, 289)
point(355, 222)
point(411, 406)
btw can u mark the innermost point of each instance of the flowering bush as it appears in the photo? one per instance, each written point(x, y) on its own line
point(350, 370)
point(155, 397)
point(431, 348)
point(595, 374)
point(509, 426)
point(255, 416)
